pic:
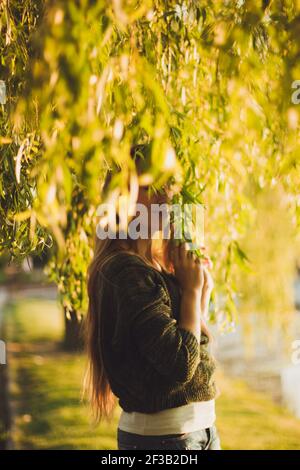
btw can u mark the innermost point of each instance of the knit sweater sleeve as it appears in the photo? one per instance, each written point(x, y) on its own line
point(144, 301)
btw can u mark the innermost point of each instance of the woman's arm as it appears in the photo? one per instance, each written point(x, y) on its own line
point(144, 312)
point(190, 311)
point(189, 272)
point(206, 292)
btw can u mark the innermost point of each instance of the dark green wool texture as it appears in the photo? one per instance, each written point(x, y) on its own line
point(152, 363)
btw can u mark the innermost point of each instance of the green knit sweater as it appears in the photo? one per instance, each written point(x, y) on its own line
point(151, 362)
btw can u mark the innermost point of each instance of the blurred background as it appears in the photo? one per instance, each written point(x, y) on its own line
point(215, 87)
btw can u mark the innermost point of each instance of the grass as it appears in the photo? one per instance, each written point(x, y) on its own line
point(47, 384)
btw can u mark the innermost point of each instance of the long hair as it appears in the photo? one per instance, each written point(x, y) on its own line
point(97, 384)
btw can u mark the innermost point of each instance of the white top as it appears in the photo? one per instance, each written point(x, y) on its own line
point(187, 418)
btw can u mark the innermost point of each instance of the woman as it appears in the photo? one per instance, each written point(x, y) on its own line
point(147, 341)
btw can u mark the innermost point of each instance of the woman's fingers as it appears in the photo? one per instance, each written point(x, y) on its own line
point(185, 254)
point(182, 254)
point(207, 262)
point(183, 250)
point(194, 257)
point(208, 280)
point(188, 267)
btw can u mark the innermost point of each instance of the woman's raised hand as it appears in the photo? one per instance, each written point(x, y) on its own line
point(188, 268)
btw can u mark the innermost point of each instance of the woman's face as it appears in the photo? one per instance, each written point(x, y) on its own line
point(156, 203)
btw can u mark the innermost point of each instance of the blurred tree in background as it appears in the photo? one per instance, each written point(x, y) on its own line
point(210, 83)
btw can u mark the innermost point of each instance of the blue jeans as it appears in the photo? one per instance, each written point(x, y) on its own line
point(204, 439)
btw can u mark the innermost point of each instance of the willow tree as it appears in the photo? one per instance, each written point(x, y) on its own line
point(209, 83)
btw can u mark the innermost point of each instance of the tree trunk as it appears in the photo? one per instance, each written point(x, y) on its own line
point(73, 340)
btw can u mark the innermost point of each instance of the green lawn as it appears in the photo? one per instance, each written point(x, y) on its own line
point(47, 384)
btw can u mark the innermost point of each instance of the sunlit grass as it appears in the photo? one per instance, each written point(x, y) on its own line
point(250, 420)
point(48, 383)
point(47, 389)
point(50, 413)
point(36, 319)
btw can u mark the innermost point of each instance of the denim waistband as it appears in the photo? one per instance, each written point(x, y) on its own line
point(128, 437)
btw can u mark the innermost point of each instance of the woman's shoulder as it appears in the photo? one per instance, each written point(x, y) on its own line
point(124, 265)
point(134, 278)
point(123, 258)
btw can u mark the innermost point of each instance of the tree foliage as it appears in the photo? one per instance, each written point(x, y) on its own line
point(210, 83)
